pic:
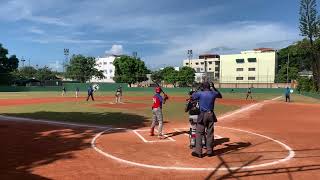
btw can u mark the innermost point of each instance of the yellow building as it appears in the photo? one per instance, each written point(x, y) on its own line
point(256, 66)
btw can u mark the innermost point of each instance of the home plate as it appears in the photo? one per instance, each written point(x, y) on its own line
point(187, 134)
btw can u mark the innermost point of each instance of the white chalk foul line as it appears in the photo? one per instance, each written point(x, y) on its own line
point(291, 154)
point(169, 139)
point(9, 118)
point(246, 108)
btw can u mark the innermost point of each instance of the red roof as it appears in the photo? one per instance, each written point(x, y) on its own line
point(265, 49)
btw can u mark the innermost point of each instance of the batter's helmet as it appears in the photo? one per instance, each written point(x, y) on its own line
point(158, 89)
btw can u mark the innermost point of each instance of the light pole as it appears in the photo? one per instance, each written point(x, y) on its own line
point(288, 70)
point(66, 54)
point(135, 54)
point(23, 60)
point(190, 56)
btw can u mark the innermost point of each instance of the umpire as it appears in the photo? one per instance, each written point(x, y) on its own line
point(206, 119)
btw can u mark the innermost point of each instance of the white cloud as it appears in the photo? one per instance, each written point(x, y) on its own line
point(115, 49)
point(236, 35)
point(36, 30)
point(65, 39)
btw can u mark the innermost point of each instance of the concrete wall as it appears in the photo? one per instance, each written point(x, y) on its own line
point(263, 70)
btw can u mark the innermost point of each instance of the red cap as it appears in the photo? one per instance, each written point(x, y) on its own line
point(158, 89)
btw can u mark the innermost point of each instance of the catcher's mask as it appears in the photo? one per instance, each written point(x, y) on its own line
point(158, 89)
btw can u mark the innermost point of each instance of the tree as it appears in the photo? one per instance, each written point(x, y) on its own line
point(157, 76)
point(309, 27)
point(27, 72)
point(300, 60)
point(7, 66)
point(170, 75)
point(186, 76)
point(130, 70)
point(44, 74)
point(82, 68)
point(281, 77)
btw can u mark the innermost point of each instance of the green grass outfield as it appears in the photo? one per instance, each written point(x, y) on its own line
point(86, 112)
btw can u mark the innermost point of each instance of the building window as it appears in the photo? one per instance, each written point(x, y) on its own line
point(201, 69)
point(209, 69)
point(202, 63)
point(198, 70)
point(216, 68)
point(105, 63)
point(252, 78)
point(252, 69)
point(110, 71)
point(239, 78)
point(240, 60)
point(210, 62)
point(197, 63)
point(251, 60)
point(187, 63)
point(239, 69)
point(217, 62)
point(111, 63)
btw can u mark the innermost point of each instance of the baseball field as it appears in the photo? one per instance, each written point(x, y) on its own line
point(47, 136)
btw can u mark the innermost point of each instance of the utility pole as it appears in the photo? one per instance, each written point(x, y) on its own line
point(288, 70)
point(22, 60)
point(135, 54)
point(66, 54)
point(190, 56)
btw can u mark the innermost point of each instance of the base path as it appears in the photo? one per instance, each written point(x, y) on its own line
point(42, 151)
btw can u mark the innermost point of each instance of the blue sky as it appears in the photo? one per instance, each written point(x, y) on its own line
point(161, 31)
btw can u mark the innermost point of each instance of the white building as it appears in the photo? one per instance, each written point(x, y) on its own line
point(206, 65)
point(105, 64)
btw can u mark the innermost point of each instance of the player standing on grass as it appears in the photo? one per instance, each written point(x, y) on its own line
point(157, 116)
point(90, 93)
point(64, 91)
point(249, 92)
point(206, 119)
point(77, 92)
point(119, 95)
point(287, 93)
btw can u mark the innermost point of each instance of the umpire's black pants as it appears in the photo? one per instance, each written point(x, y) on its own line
point(90, 95)
point(205, 125)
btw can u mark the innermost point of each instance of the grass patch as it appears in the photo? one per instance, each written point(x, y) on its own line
point(86, 112)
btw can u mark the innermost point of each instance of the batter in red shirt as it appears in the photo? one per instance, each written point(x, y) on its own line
point(157, 113)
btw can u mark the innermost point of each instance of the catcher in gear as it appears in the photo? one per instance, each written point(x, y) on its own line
point(193, 108)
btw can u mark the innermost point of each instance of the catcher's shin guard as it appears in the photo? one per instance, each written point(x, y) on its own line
point(192, 137)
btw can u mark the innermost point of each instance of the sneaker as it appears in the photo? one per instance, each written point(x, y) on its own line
point(151, 132)
point(196, 155)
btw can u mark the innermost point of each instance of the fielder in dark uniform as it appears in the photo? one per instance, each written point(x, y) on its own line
point(249, 93)
point(287, 94)
point(90, 93)
point(206, 118)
